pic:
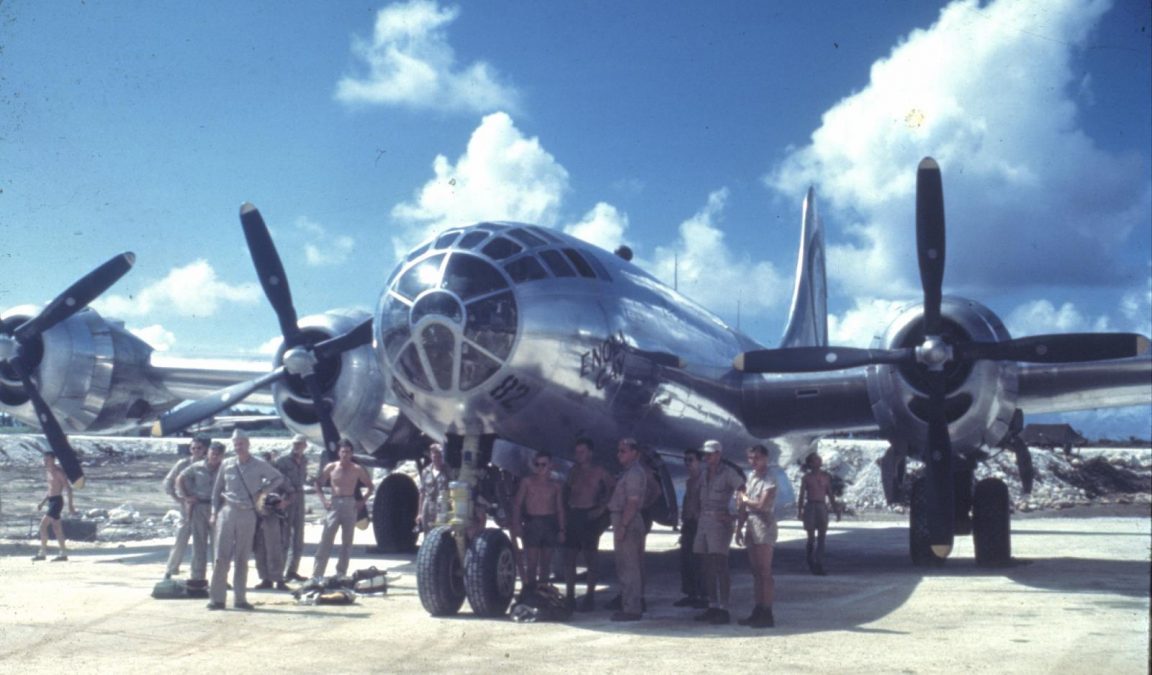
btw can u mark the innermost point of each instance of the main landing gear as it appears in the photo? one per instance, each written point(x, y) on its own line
point(461, 558)
point(990, 521)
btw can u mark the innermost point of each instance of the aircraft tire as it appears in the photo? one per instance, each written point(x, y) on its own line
point(991, 523)
point(394, 514)
point(439, 577)
point(918, 537)
point(490, 574)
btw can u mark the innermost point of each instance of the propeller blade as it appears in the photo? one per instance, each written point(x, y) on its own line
point(1059, 348)
point(182, 418)
point(57, 440)
point(271, 271)
point(938, 460)
point(930, 240)
point(77, 296)
point(327, 426)
point(817, 359)
point(360, 335)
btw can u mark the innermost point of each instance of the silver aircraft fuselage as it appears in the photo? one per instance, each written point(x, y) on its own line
point(539, 338)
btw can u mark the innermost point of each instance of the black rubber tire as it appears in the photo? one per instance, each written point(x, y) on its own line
point(394, 514)
point(991, 523)
point(439, 574)
point(918, 537)
point(490, 574)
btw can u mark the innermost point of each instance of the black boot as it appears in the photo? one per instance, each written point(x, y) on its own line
point(766, 619)
point(752, 618)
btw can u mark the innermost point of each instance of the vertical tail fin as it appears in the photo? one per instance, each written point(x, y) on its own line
point(808, 318)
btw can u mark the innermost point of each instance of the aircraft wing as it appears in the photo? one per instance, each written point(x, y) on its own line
point(1063, 387)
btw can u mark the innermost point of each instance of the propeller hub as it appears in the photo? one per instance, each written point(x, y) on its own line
point(934, 352)
point(8, 347)
point(300, 361)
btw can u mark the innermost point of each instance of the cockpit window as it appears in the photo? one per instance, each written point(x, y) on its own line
point(527, 238)
point(601, 271)
point(525, 268)
point(445, 240)
point(421, 277)
point(472, 238)
point(410, 366)
point(557, 264)
point(468, 276)
point(492, 323)
point(580, 263)
point(500, 248)
point(545, 233)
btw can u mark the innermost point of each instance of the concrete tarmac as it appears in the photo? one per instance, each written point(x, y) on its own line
point(1076, 600)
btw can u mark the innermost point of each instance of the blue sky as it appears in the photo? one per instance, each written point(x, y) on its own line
point(688, 130)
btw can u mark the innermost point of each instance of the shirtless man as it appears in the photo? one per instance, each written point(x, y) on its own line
point(538, 518)
point(344, 476)
point(57, 485)
point(586, 494)
point(812, 505)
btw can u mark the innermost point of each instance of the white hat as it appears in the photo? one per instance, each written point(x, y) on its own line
point(238, 433)
point(299, 438)
point(710, 447)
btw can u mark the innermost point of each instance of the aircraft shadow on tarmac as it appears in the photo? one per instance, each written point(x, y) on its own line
point(870, 576)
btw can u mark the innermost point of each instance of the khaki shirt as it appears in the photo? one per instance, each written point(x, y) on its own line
point(173, 474)
point(295, 475)
point(630, 484)
point(757, 486)
point(238, 483)
point(197, 481)
point(716, 493)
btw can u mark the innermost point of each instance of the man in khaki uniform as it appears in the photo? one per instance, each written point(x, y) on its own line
point(718, 483)
point(197, 450)
point(628, 530)
point(194, 486)
point(294, 466)
point(234, 517)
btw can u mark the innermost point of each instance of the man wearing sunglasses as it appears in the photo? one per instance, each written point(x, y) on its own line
point(538, 519)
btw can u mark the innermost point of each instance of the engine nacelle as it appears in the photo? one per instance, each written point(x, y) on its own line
point(981, 396)
point(353, 384)
point(90, 371)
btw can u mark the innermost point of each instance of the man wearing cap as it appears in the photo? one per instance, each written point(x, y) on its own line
point(194, 486)
point(197, 450)
point(294, 466)
point(234, 517)
point(345, 476)
point(628, 530)
point(718, 483)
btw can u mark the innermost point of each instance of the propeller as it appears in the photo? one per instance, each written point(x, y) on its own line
point(300, 357)
point(19, 350)
point(937, 350)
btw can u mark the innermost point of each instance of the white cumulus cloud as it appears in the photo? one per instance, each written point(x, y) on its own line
point(502, 175)
point(322, 248)
point(704, 268)
point(410, 63)
point(992, 91)
point(603, 226)
point(193, 290)
point(160, 338)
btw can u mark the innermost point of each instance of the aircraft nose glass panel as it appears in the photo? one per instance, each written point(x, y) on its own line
point(437, 303)
point(449, 322)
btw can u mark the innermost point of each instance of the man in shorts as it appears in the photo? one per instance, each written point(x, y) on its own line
point(538, 519)
point(813, 503)
point(57, 485)
point(586, 494)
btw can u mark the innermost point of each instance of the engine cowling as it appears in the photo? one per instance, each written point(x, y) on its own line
point(352, 383)
point(981, 395)
point(92, 373)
